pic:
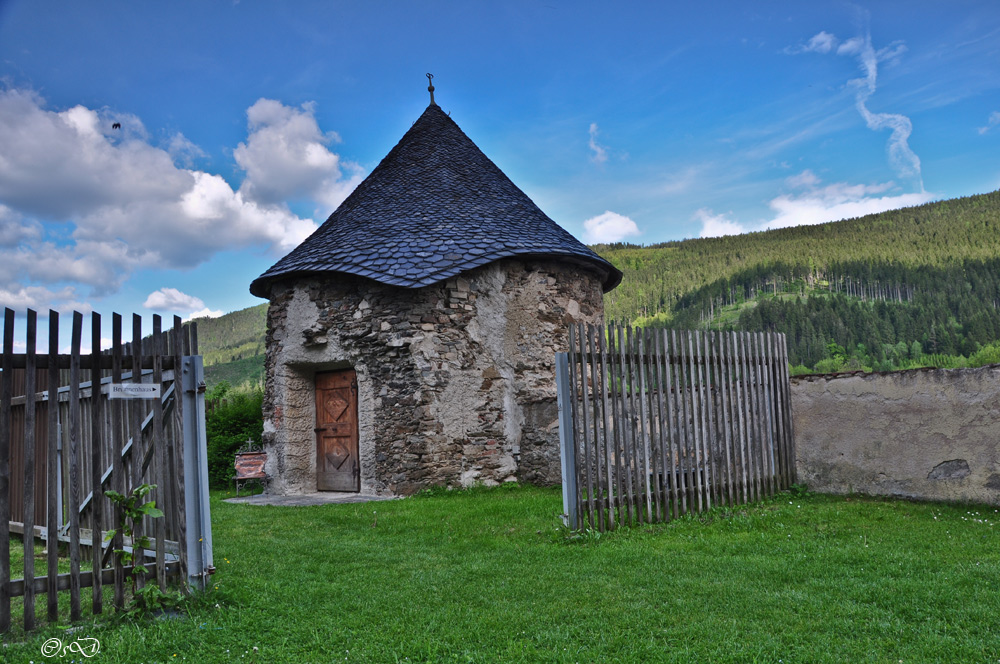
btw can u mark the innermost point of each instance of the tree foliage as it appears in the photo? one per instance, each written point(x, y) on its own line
point(234, 417)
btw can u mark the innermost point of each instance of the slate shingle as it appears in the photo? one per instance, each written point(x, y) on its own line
point(434, 207)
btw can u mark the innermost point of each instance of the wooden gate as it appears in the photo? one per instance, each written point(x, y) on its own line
point(658, 423)
point(73, 426)
point(338, 467)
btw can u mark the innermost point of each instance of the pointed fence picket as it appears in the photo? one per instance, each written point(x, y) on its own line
point(64, 442)
point(654, 424)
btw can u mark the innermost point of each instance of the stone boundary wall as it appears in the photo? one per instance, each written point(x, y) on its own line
point(931, 434)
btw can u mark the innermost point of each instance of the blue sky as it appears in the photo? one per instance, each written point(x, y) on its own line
point(244, 124)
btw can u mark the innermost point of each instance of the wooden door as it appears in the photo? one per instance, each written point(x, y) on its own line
point(338, 467)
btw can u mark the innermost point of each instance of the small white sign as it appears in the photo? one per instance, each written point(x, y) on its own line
point(134, 391)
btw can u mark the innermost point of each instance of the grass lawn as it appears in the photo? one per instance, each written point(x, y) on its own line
point(488, 576)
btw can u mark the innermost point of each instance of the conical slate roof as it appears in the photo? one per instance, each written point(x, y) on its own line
point(434, 207)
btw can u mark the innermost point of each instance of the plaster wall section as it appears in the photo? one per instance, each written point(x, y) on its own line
point(927, 434)
point(456, 380)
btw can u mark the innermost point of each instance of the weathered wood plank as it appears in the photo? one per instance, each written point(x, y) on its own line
point(643, 468)
point(722, 389)
point(776, 408)
point(662, 419)
point(29, 465)
point(758, 436)
point(742, 385)
point(6, 392)
point(52, 474)
point(160, 451)
point(634, 462)
point(177, 449)
point(193, 325)
point(74, 466)
point(696, 429)
point(118, 436)
point(672, 424)
point(769, 403)
point(734, 417)
point(787, 414)
point(87, 362)
point(616, 421)
point(625, 422)
point(765, 415)
point(135, 428)
point(595, 386)
point(711, 472)
point(684, 428)
point(63, 582)
point(96, 442)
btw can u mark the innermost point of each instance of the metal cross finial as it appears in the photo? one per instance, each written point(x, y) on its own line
point(430, 87)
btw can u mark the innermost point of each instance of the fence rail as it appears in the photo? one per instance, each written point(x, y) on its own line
point(64, 442)
point(659, 423)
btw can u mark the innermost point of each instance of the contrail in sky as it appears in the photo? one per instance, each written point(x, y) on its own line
point(901, 157)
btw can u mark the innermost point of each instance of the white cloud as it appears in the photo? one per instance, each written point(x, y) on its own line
point(717, 225)
point(600, 152)
point(15, 229)
point(286, 156)
point(204, 313)
point(171, 299)
point(852, 46)
point(608, 227)
point(84, 204)
point(993, 121)
point(40, 298)
point(184, 151)
point(805, 179)
point(836, 202)
point(821, 42)
point(815, 205)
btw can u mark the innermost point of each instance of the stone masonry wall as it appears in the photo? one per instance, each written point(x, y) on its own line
point(928, 434)
point(456, 381)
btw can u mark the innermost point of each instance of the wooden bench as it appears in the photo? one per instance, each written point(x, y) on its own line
point(250, 460)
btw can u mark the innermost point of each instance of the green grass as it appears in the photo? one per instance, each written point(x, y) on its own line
point(489, 576)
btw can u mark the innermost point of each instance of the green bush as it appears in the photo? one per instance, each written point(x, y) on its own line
point(235, 418)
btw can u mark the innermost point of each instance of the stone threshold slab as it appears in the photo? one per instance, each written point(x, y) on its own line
point(322, 498)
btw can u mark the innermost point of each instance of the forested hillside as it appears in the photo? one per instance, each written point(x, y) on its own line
point(934, 234)
point(912, 287)
point(233, 345)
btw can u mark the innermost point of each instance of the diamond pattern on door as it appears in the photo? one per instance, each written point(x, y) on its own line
point(335, 407)
point(337, 454)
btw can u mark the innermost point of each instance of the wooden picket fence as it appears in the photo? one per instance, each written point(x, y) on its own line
point(658, 423)
point(65, 440)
